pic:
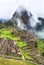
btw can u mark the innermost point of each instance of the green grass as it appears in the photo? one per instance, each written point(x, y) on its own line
point(25, 54)
point(21, 44)
point(6, 33)
point(5, 61)
point(40, 45)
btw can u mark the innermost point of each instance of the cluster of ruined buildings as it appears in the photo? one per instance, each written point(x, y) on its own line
point(8, 46)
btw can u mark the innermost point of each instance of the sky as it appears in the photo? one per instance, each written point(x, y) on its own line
point(8, 7)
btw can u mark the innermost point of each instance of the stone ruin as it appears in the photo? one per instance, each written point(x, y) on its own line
point(8, 46)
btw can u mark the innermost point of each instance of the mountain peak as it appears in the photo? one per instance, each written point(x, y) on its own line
point(22, 17)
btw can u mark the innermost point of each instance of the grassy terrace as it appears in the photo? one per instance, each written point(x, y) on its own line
point(40, 45)
point(4, 61)
point(5, 33)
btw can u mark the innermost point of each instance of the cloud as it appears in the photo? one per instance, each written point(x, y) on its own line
point(7, 7)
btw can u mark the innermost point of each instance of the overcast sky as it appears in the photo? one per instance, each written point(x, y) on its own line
point(8, 7)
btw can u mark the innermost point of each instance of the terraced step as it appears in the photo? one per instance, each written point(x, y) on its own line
point(2, 44)
point(5, 44)
point(9, 47)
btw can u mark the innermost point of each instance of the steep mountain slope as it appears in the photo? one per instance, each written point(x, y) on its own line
point(24, 19)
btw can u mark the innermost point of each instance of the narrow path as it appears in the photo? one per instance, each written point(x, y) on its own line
point(9, 57)
point(23, 58)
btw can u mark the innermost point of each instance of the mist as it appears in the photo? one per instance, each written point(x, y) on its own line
point(8, 7)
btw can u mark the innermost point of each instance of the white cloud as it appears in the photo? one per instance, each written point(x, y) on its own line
point(7, 7)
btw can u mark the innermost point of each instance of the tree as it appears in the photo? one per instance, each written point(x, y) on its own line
point(8, 23)
point(42, 53)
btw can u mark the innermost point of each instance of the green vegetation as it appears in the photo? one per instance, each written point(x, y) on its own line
point(1, 25)
point(6, 24)
point(43, 54)
point(6, 33)
point(21, 44)
point(4, 61)
point(25, 54)
point(40, 46)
